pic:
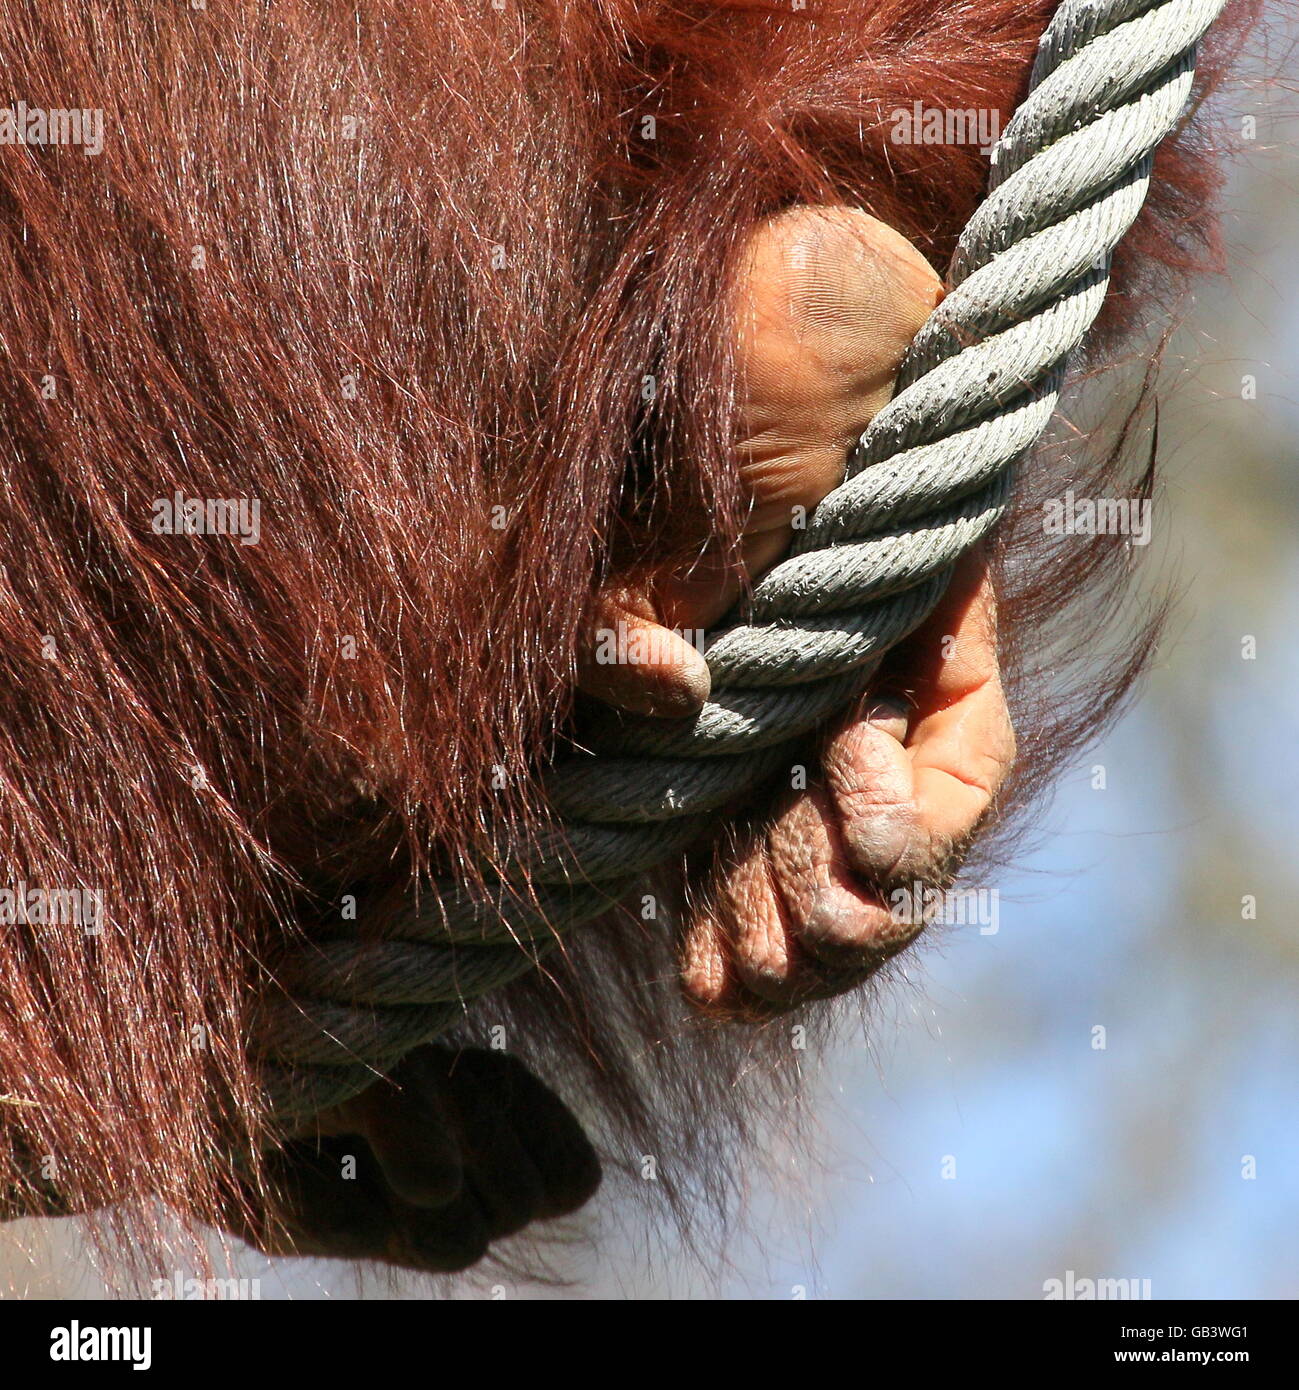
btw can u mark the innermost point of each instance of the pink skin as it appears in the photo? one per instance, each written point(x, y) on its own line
point(794, 911)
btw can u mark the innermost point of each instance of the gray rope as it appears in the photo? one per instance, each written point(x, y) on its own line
point(929, 477)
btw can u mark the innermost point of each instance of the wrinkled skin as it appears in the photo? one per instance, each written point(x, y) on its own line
point(831, 300)
point(454, 1153)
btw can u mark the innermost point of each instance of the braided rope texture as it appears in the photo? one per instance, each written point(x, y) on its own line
point(929, 477)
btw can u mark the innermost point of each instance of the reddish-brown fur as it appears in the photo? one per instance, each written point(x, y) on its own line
point(199, 742)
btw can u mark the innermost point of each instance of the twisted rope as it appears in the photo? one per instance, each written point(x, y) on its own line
point(929, 477)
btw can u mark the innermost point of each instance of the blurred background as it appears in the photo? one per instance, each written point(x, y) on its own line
point(984, 1142)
